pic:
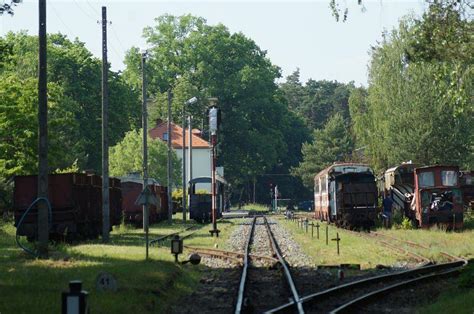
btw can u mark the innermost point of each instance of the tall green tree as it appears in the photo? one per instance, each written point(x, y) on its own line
point(74, 71)
point(419, 102)
point(126, 157)
point(330, 144)
point(189, 56)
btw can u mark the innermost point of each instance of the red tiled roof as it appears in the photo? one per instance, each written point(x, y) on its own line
point(177, 136)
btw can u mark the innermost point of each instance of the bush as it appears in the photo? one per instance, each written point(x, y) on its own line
point(406, 224)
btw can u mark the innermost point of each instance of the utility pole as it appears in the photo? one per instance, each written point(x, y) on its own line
point(170, 201)
point(105, 137)
point(184, 162)
point(43, 223)
point(145, 151)
point(190, 147)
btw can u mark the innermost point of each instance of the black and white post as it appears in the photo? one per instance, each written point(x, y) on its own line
point(105, 137)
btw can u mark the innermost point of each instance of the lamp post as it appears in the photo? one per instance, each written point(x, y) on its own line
point(186, 103)
point(213, 125)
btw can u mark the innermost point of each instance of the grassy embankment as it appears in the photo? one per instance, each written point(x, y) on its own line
point(29, 285)
point(458, 299)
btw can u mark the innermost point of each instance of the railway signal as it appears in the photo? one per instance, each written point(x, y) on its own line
point(213, 127)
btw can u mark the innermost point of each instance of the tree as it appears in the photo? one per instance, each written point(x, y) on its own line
point(76, 75)
point(419, 102)
point(192, 58)
point(127, 157)
point(330, 144)
point(316, 101)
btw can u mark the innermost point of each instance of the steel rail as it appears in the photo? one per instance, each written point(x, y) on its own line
point(366, 298)
point(243, 278)
point(276, 249)
point(363, 282)
point(416, 245)
point(166, 236)
point(231, 253)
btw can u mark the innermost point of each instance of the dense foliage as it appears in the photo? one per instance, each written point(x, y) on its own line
point(74, 100)
point(126, 157)
point(192, 58)
point(419, 104)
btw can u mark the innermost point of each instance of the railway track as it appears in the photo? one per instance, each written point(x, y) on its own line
point(255, 283)
point(352, 296)
point(191, 230)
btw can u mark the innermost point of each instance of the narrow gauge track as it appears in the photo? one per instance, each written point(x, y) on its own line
point(351, 296)
point(255, 281)
point(162, 238)
point(229, 255)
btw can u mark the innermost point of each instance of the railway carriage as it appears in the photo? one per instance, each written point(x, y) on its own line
point(430, 195)
point(132, 186)
point(200, 198)
point(76, 205)
point(346, 194)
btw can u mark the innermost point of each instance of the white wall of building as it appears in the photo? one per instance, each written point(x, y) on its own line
point(201, 162)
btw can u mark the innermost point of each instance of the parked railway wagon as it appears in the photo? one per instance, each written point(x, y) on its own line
point(76, 205)
point(200, 204)
point(467, 188)
point(133, 213)
point(429, 195)
point(399, 184)
point(346, 194)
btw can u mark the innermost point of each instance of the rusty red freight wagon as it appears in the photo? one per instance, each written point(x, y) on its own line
point(437, 197)
point(76, 204)
point(133, 213)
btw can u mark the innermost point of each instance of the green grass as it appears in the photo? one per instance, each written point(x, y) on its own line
point(457, 300)
point(29, 285)
point(459, 243)
point(353, 249)
point(256, 207)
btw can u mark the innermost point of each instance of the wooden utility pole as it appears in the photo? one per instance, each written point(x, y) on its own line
point(43, 223)
point(145, 151)
point(105, 137)
point(170, 165)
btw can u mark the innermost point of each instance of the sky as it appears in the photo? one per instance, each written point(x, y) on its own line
point(295, 34)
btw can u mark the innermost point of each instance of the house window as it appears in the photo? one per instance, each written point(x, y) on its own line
point(165, 136)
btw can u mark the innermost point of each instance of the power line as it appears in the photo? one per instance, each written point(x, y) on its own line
point(61, 20)
point(118, 39)
point(83, 11)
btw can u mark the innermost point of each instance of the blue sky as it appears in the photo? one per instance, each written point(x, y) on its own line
point(296, 34)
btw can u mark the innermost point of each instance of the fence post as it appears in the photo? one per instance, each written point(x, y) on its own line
point(327, 235)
